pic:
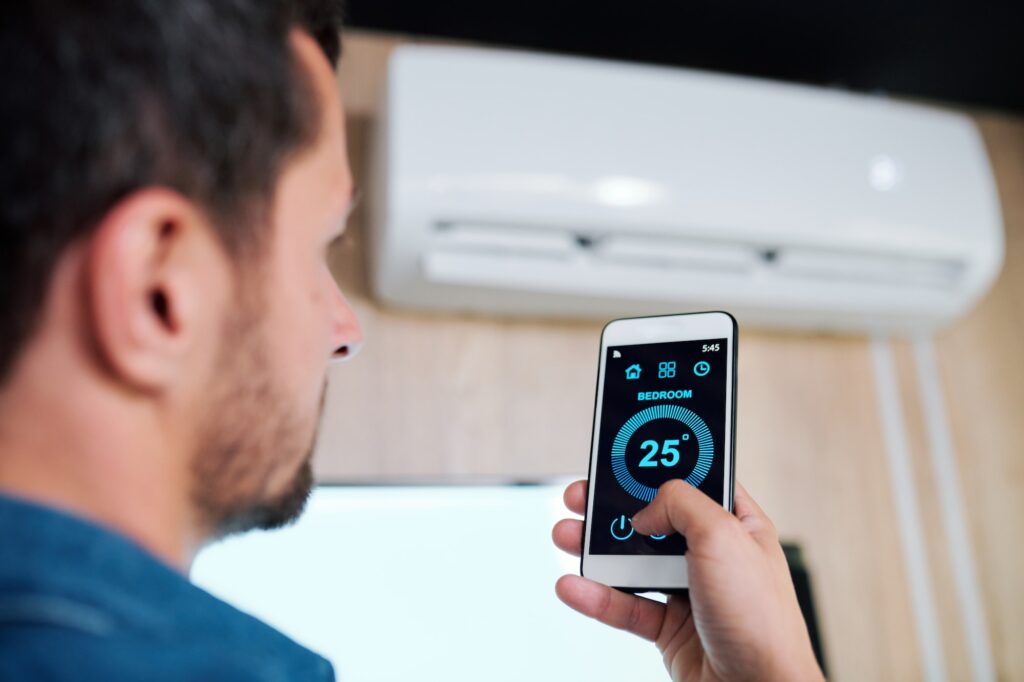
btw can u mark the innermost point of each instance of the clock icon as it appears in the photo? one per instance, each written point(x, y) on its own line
point(705, 448)
point(702, 368)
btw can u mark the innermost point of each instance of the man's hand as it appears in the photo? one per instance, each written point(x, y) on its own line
point(740, 620)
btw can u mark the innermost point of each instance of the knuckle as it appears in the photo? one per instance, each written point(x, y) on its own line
point(673, 488)
point(633, 619)
point(604, 606)
point(763, 528)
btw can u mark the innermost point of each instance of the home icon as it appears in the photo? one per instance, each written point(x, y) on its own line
point(633, 372)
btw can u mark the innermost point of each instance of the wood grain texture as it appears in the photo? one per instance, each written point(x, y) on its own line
point(981, 365)
point(450, 396)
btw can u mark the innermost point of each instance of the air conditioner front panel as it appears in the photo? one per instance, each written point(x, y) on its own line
point(527, 155)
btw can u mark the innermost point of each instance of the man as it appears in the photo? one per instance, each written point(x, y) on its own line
point(172, 175)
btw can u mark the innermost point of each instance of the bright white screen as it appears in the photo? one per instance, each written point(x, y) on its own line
point(451, 583)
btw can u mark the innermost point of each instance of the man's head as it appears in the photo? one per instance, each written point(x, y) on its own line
point(171, 175)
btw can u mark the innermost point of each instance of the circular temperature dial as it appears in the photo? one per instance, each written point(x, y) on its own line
point(664, 453)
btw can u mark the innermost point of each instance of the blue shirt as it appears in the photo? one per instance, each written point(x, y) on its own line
point(79, 602)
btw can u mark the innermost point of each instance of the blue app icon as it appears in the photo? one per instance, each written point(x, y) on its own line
point(633, 371)
point(702, 368)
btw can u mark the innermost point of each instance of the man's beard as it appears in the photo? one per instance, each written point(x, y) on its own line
point(267, 514)
point(250, 436)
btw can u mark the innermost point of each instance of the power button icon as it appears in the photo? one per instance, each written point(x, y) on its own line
point(622, 527)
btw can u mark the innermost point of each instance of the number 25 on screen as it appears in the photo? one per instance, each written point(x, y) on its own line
point(669, 451)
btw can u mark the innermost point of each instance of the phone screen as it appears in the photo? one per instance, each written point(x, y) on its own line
point(663, 416)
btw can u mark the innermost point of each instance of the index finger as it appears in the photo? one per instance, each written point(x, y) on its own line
point(745, 505)
point(753, 518)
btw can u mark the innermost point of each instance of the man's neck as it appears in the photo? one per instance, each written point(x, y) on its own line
point(61, 447)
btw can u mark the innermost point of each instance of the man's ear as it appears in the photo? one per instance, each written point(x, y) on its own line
point(156, 280)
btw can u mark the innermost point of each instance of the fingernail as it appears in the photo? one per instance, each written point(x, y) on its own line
point(638, 518)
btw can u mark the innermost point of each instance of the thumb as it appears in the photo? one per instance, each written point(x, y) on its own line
point(679, 507)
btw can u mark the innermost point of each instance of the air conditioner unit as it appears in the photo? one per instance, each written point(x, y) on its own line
point(525, 184)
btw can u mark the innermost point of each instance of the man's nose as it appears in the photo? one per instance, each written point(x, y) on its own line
point(346, 333)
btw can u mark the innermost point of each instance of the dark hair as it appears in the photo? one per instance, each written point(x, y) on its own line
point(104, 97)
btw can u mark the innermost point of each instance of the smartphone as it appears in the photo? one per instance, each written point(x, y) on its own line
point(665, 408)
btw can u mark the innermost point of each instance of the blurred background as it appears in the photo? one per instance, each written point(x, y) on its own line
point(848, 179)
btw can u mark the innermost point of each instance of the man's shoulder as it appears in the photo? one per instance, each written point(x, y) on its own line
point(56, 653)
point(79, 601)
point(60, 637)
